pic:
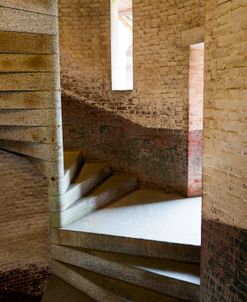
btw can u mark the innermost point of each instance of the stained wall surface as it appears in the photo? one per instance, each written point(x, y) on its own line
point(30, 124)
point(163, 31)
point(224, 250)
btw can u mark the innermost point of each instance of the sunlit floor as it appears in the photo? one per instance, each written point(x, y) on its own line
point(147, 214)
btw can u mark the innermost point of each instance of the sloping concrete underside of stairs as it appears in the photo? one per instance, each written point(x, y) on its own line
point(60, 291)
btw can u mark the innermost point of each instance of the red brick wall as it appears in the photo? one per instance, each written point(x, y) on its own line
point(195, 156)
point(24, 239)
point(224, 263)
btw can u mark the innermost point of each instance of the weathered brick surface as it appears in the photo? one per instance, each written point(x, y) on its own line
point(225, 133)
point(24, 239)
point(157, 156)
point(160, 95)
point(224, 251)
point(224, 263)
point(195, 155)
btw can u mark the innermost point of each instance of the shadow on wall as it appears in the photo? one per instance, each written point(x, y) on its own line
point(23, 285)
point(224, 262)
point(159, 157)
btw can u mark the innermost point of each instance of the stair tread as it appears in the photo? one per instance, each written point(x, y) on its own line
point(59, 290)
point(146, 214)
point(69, 158)
point(121, 290)
point(111, 182)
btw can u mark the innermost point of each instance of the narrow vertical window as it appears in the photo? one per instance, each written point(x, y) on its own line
point(196, 87)
point(122, 44)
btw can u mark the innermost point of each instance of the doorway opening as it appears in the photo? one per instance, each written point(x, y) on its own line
point(196, 94)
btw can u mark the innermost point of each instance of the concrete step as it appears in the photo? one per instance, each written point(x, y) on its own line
point(90, 176)
point(72, 162)
point(111, 189)
point(58, 290)
point(105, 289)
point(177, 279)
point(144, 222)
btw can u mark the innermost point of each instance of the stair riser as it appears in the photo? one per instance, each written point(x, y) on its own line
point(125, 245)
point(80, 189)
point(113, 194)
point(70, 173)
point(89, 205)
point(69, 216)
point(84, 285)
point(130, 274)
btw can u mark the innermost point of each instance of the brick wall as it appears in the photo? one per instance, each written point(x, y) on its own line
point(225, 112)
point(24, 239)
point(195, 157)
point(156, 156)
point(160, 95)
point(224, 264)
point(161, 72)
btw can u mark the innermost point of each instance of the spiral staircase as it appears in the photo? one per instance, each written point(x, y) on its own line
point(116, 241)
point(112, 240)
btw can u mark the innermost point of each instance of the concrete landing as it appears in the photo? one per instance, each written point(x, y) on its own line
point(147, 214)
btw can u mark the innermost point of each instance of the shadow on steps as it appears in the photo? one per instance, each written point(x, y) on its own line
point(19, 297)
point(58, 290)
